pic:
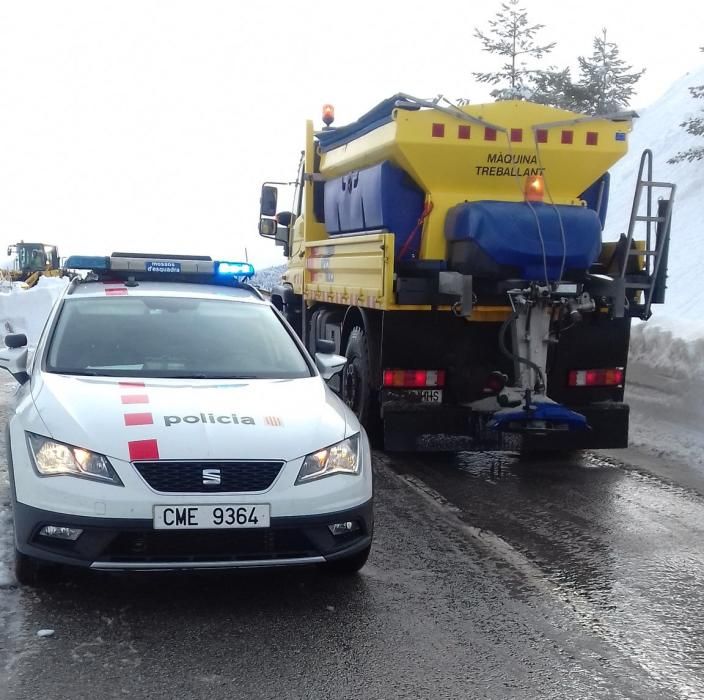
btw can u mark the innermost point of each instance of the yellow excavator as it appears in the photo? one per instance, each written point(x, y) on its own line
point(32, 261)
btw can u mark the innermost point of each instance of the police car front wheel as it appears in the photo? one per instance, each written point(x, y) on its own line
point(32, 572)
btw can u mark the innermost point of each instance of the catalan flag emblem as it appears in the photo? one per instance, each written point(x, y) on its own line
point(273, 421)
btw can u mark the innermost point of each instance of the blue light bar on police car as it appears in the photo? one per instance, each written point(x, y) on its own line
point(156, 265)
point(234, 269)
point(87, 262)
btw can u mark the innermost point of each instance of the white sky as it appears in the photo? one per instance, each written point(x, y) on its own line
point(149, 125)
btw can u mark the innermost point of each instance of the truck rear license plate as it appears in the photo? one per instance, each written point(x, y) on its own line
point(424, 395)
point(201, 517)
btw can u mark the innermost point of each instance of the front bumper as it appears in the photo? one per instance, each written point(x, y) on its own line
point(127, 544)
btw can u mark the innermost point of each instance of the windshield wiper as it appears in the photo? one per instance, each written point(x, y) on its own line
point(78, 372)
point(210, 376)
point(239, 376)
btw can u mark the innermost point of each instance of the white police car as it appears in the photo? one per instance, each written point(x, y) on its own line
point(169, 418)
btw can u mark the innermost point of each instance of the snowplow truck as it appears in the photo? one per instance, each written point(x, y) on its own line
point(455, 256)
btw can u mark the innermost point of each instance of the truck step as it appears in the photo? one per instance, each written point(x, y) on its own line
point(654, 219)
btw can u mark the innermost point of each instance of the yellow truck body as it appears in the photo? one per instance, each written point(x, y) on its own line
point(455, 256)
point(484, 152)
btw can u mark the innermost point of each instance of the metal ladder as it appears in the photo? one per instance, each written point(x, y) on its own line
point(651, 280)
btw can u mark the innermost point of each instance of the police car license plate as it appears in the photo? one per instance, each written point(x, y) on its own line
point(211, 517)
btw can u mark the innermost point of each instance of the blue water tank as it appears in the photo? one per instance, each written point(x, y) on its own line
point(380, 197)
point(502, 240)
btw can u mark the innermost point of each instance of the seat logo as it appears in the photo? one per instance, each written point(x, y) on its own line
point(211, 477)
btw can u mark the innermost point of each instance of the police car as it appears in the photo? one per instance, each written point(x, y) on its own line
point(169, 418)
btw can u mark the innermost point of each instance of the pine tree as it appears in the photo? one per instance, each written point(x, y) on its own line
point(511, 35)
point(694, 126)
point(555, 88)
point(605, 81)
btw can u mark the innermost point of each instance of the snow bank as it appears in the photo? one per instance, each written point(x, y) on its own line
point(26, 310)
point(658, 128)
point(671, 347)
point(7, 262)
point(268, 277)
point(665, 389)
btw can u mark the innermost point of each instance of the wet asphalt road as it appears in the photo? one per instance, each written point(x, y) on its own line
point(489, 578)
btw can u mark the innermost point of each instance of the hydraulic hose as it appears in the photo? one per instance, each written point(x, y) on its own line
point(510, 355)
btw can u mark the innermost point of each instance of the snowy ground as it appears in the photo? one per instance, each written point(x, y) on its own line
point(7, 388)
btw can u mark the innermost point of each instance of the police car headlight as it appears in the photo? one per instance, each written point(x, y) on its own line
point(341, 458)
point(53, 458)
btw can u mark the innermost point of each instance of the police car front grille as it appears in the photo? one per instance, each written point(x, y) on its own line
point(227, 545)
point(209, 477)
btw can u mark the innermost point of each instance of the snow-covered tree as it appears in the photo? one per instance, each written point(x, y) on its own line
point(694, 126)
point(606, 82)
point(511, 36)
point(555, 88)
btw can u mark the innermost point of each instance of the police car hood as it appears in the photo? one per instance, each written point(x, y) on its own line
point(179, 419)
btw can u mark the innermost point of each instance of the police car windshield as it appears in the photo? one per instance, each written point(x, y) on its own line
point(145, 336)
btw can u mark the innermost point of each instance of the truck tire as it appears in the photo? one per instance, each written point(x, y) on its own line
point(357, 390)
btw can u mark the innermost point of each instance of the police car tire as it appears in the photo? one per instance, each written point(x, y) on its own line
point(32, 572)
point(349, 565)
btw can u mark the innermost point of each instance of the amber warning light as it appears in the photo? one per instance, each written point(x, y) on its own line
point(328, 114)
point(535, 188)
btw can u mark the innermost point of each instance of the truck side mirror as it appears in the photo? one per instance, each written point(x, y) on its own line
point(268, 228)
point(285, 218)
point(13, 357)
point(281, 235)
point(267, 201)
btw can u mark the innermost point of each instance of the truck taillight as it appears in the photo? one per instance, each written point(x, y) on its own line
point(414, 378)
point(596, 377)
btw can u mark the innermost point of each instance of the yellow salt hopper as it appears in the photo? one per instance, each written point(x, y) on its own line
point(471, 153)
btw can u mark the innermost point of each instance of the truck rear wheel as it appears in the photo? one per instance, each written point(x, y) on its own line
point(357, 390)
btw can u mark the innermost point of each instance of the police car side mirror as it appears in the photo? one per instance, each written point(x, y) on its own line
point(13, 357)
point(16, 340)
point(329, 364)
point(268, 200)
